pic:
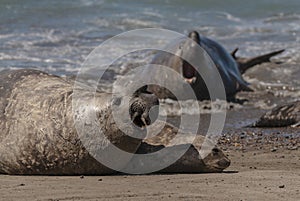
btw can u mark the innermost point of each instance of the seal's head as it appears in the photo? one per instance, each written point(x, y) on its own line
point(194, 35)
point(143, 108)
point(188, 71)
point(216, 161)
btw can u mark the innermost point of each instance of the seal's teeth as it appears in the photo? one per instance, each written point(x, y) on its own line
point(190, 80)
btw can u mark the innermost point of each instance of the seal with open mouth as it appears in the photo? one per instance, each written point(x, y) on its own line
point(229, 66)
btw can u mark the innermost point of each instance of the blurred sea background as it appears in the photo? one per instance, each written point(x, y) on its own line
point(56, 36)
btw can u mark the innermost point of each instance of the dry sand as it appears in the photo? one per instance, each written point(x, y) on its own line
point(253, 175)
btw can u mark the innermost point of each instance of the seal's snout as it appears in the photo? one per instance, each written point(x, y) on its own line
point(143, 108)
point(224, 163)
point(216, 160)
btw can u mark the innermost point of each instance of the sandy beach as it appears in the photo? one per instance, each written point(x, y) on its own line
point(264, 166)
point(256, 174)
point(58, 36)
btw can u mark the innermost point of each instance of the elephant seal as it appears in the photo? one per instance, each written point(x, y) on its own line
point(281, 116)
point(228, 65)
point(39, 135)
point(174, 139)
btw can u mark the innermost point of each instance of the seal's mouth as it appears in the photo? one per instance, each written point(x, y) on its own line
point(188, 72)
point(216, 160)
point(143, 107)
point(219, 167)
point(140, 121)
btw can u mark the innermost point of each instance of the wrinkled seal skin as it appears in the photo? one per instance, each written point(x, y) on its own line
point(281, 116)
point(38, 135)
point(191, 161)
point(229, 66)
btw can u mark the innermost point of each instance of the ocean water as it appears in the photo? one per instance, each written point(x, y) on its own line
point(56, 36)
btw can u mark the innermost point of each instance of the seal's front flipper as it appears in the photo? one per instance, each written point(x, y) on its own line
point(246, 63)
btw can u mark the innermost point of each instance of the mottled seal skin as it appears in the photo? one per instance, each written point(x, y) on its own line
point(281, 116)
point(38, 135)
point(229, 66)
point(191, 161)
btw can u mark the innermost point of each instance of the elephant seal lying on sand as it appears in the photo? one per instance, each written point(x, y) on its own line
point(228, 65)
point(39, 136)
point(192, 161)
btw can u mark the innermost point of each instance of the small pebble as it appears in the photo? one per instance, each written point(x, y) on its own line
point(81, 177)
point(281, 186)
point(274, 149)
point(99, 179)
point(293, 148)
